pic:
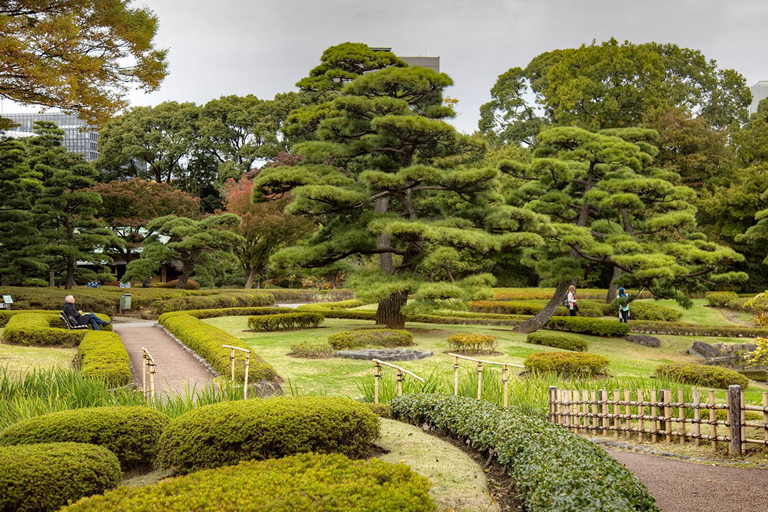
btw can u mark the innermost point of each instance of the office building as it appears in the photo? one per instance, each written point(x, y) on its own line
point(759, 93)
point(78, 137)
point(432, 63)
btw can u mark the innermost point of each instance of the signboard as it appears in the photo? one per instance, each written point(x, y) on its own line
point(7, 299)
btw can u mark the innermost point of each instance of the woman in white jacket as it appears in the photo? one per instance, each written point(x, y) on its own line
point(570, 299)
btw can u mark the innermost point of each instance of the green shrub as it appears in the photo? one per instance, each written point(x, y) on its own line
point(44, 477)
point(593, 326)
point(472, 343)
point(701, 375)
point(552, 469)
point(131, 433)
point(43, 330)
point(304, 295)
point(558, 340)
point(301, 482)
point(720, 299)
point(648, 311)
point(310, 351)
point(207, 341)
point(686, 329)
point(567, 363)
point(531, 307)
point(102, 355)
point(381, 337)
point(226, 433)
point(283, 322)
point(344, 304)
point(191, 285)
point(546, 293)
point(214, 313)
point(219, 301)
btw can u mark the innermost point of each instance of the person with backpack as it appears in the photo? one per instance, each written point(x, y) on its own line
point(623, 301)
point(570, 301)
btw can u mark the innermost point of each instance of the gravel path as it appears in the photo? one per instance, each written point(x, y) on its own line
point(175, 367)
point(680, 486)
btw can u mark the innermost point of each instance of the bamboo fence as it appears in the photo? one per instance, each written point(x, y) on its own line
point(400, 373)
point(147, 374)
point(480, 363)
point(247, 364)
point(661, 417)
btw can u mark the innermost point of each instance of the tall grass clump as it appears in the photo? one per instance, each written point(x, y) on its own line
point(434, 383)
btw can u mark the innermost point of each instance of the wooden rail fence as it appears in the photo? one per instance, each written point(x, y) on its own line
point(661, 417)
point(480, 363)
point(147, 374)
point(400, 372)
point(247, 364)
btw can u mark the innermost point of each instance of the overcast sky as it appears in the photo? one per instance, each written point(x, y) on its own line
point(264, 47)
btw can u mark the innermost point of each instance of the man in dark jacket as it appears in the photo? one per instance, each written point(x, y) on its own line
point(78, 318)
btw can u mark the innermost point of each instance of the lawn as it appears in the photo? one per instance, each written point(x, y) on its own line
point(18, 358)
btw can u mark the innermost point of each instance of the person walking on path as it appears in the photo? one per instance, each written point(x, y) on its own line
point(570, 300)
point(623, 301)
point(80, 318)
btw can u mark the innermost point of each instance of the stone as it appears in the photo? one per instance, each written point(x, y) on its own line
point(736, 348)
point(704, 350)
point(265, 388)
point(388, 354)
point(646, 341)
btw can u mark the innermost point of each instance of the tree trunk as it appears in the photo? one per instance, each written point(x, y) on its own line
point(389, 311)
point(380, 205)
point(186, 273)
point(613, 286)
point(51, 279)
point(542, 317)
point(70, 274)
point(4, 280)
point(249, 281)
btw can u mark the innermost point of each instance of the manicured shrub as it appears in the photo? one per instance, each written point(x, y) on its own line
point(311, 351)
point(381, 337)
point(283, 322)
point(531, 307)
point(131, 433)
point(344, 304)
point(226, 433)
point(558, 340)
point(593, 326)
point(301, 482)
point(648, 311)
point(191, 285)
point(207, 341)
point(720, 299)
point(218, 301)
point(567, 363)
point(701, 375)
point(686, 329)
point(45, 477)
point(552, 469)
point(215, 313)
point(304, 295)
point(472, 343)
point(43, 330)
point(102, 355)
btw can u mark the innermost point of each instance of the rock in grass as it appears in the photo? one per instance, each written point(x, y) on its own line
point(384, 354)
point(644, 340)
point(704, 350)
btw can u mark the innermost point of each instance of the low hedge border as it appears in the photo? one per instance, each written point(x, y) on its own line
point(382, 337)
point(293, 295)
point(131, 433)
point(285, 321)
point(226, 433)
point(593, 326)
point(43, 330)
point(569, 364)
point(558, 340)
point(686, 329)
point(552, 468)
point(701, 375)
point(207, 340)
point(224, 300)
point(587, 308)
point(648, 311)
point(102, 355)
point(300, 482)
point(45, 477)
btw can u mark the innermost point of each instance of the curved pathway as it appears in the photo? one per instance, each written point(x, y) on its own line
point(175, 368)
point(680, 486)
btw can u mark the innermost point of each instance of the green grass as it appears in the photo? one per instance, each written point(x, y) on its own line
point(17, 358)
point(697, 314)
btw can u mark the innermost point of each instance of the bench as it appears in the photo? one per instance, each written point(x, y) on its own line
point(69, 324)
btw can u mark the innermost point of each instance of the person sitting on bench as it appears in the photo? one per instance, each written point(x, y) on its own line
point(78, 318)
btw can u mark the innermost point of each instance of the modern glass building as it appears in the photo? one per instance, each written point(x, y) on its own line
point(78, 136)
point(759, 92)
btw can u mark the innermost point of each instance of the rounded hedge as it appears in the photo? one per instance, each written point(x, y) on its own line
point(567, 363)
point(102, 355)
point(701, 375)
point(558, 340)
point(384, 337)
point(282, 322)
point(226, 433)
point(44, 477)
point(131, 433)
point(301, 482)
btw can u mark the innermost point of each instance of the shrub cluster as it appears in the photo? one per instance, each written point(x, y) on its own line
point(546, 293)
point(720, 299)
point(701, 375)
point(382, 337)
point(207, 340)
point(567, 363)
point(311, 351)
point(102, 355)
point(304, 295)
point(285, 321)
point(301, 482)
point(219, 301)
point(532, 307)
point(131, 433)
point(215, 313)
point(472, 343)
point(44, 477)
point(593, 326)
point(558, 340)
point(552, 468)
point(686, 329)
point(648, 311)
point(191, 284)
point(43, 330)
point(226, 433)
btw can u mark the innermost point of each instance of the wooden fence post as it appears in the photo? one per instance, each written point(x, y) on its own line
point(399, 382)
point(376, 377)
point(455, 376)
point(667, 399)
point(697, 416)
point(616, 413)
point(603, 394)
point(479, 380)
point(247, 366)
point(734, 419)
point(681, 414)
point(595, 417)
point(655, 421)
point(628, 411)
point(765, 417)
point(504, 380)
point(640, 414)
point(552, 404)
point(712, 421)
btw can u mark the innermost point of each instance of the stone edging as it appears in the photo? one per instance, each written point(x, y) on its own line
point(191, 352)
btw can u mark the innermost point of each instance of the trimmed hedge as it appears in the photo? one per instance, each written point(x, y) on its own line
point(531, 307)
point(593, 326)
point(720, 299)
point(567, 363)
point(102, 355)
point(226, 433)
point(558, 340)
point(648, 311)
point(45, 477)
point(131, 433)
point(285, 321)
point(686, 329)
point(472, 343)
point(43, 330)
point(301, 482)
point(310, 351)
point(383, 337)
point(304, 295)
point(701, 375)
point(552, 468)
point(207, 340)
point(223, 300)
point(546, 293)
point(190, 285)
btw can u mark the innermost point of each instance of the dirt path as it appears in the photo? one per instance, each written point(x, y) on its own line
point(175, 367)
point(680, 486)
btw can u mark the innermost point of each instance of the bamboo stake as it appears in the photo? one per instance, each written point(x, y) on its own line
point(628, 412)
point(144, 372)
point(734, 418)
point(765, 418)
point(552, 400)
point(399, 382)
point(152, 378)
point(587, 422)
point(232, 362)
point(576, 408)
point(376, 377)
point(595, 418)
point(603, 394)
point(667, 394)
point(504, 380)
point(742, 417)
point(697, 416)
point(640, 414)
point(456, 376)
point(567, 407)
point(616, 413)
point(655, 421)
point(712, 421)
point(479, 380)
point(558, 396)
point(681, 414)
point(247, 366)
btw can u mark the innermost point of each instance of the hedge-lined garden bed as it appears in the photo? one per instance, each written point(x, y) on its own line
point(686, 329)
point(301, 482)
point(701, 375)
point(553, 469)
point(567, 364)
point(43, 329)
point(389, 338)
point(558, 340)
point(102, 355)
point(285, 321)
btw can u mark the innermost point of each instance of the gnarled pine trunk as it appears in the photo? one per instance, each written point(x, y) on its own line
point(613, 286)
point(389, 311)
point(542, 317)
